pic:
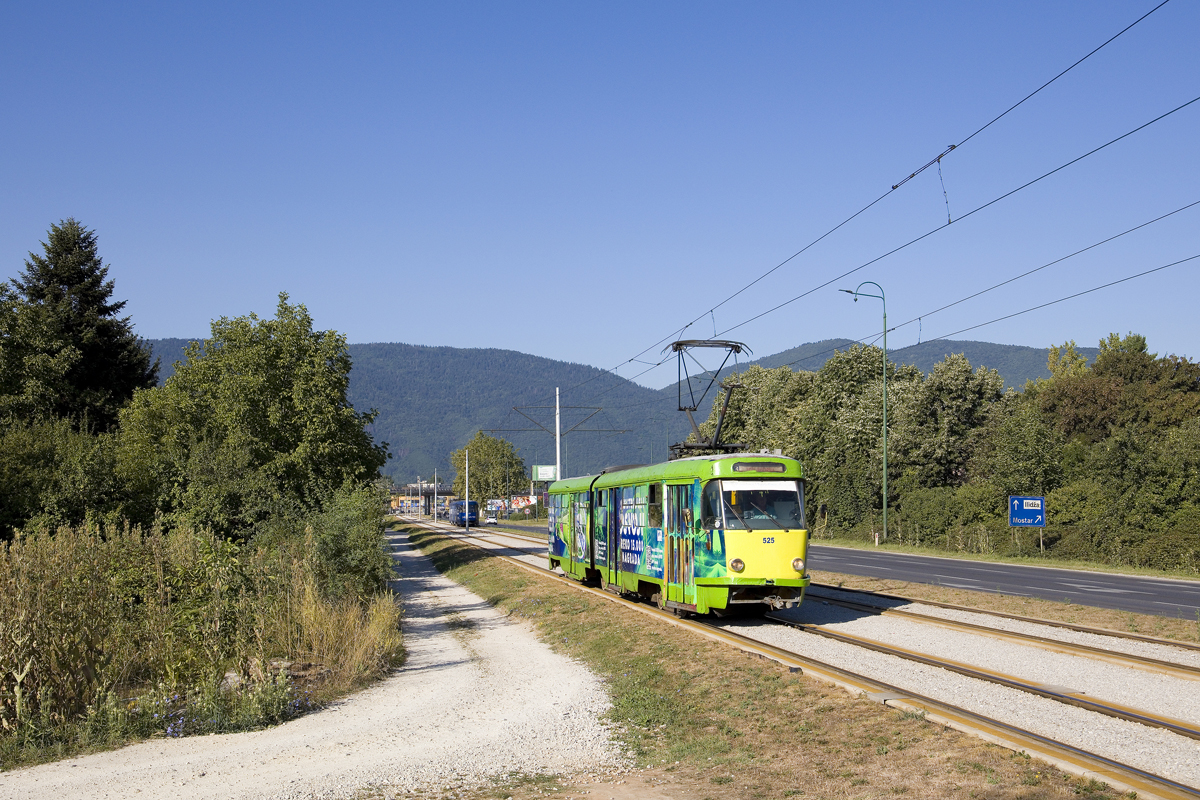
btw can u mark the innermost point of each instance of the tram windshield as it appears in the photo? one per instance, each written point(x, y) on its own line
point(754, 505)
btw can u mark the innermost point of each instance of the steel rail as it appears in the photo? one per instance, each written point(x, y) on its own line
point(1058, 693)
point(1068, 757)
point(454, 532)
point(1155, 665)
point(1137, 637)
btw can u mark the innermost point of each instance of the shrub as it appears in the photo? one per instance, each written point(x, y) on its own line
point(87, 617)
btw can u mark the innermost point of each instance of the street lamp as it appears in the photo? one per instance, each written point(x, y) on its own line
point(857, 292)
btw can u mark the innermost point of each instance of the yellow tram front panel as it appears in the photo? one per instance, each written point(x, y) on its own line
point(766, 555)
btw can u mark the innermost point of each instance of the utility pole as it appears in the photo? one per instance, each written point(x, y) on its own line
point(420, 498)
point(557, 439)
point(435, 494)
point(467, 489)
point(856, 293)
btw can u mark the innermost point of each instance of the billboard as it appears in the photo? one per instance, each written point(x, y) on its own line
point(544, 473)
point(524, 501)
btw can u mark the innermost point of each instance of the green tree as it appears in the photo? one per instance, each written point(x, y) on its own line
point(253, 424)
point(64, 351)
point(1017, 452)
point(1065, 360)
point(496, 469)
point(836, 432)
point(53, 474)
point(758, 411)
point(35, 362)
point(933, 432)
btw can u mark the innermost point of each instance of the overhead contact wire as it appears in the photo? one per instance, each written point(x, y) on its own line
point(1044, 266)
point(1073, 296)
point(1027, 273)
point(936, 160)
point(975, 210)
point(1064, 72)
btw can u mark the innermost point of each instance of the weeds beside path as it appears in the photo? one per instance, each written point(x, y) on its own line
point(705, 721)
point(116, 636)
point(476, 697)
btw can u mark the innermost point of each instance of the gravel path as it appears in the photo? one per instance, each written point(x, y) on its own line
point(477, 698)
point(1155, 750)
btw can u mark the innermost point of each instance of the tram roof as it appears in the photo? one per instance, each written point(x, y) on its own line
point(725, 465)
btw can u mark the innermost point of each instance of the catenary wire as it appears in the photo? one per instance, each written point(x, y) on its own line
point(975, 210)
point(679, 332)
point(1072, 296)
point(1044, 266)
point(1025, 274)
point(878, 335)
point(1064, 72)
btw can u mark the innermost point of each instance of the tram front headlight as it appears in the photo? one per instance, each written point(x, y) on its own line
point(737, 565)
point(798, 565)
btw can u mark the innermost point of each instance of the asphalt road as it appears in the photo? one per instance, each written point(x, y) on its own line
point(1144, 595)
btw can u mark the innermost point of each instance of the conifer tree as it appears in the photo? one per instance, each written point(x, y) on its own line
point(61, 309)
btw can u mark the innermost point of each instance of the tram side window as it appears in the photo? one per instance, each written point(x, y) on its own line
point(710, 510)
point(656, 509)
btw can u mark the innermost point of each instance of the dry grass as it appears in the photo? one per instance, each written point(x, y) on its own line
point(1145, 624)
point(1034, 560)
point(99, 631)
point(352, 641)
point(706, 721)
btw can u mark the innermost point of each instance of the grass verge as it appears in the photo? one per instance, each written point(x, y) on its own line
point(703, 720)
point(1052, 562)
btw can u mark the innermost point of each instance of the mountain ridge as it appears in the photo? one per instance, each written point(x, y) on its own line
point(432, 398)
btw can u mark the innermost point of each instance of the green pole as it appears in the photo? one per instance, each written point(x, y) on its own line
point(883, 299)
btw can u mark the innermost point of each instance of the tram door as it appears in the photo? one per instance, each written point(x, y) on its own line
point(612, 503)
point(602, 531)
point(679, 566)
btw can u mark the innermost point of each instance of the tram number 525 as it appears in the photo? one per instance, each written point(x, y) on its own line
point(768, 540)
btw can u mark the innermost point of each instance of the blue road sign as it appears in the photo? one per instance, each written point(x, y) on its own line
point(1026, 512)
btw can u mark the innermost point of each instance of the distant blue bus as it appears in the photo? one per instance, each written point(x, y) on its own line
point(459, 512)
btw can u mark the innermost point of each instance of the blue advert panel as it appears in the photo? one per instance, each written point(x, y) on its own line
point(1027, 512)
point(641, 546)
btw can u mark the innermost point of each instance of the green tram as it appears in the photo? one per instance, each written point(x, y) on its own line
point(701, 534)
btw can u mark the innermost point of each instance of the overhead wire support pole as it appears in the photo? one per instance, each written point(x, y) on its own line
point(857, 293)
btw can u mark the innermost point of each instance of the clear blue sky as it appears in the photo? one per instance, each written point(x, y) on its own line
point(576, 180)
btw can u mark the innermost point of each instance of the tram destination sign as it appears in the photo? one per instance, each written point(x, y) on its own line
point(1026, 512)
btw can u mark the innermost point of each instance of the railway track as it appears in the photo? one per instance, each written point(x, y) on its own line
point(1071, 758)
point(880, 602)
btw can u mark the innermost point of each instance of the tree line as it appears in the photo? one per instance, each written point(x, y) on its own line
point(253, 425)
point(157, 538)
point(1113, 445)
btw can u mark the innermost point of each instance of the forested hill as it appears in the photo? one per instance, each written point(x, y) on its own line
point(431, 400)
point(1016, 364)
